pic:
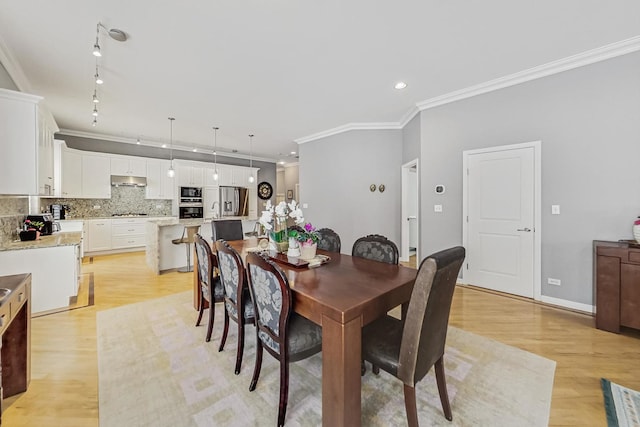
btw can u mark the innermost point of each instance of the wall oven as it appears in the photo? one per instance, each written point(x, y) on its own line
point(187, 212)
point(191, 194)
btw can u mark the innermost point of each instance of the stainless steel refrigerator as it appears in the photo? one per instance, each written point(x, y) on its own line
point(234, 201)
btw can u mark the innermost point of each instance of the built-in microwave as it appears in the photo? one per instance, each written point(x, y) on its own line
point(187, 212)
point(191, 193)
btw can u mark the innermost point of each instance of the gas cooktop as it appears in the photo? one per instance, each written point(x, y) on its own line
point(129, 214)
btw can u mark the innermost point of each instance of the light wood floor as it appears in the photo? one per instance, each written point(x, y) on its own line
point(64, 383)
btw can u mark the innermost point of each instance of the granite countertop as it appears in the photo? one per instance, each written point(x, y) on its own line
point(88, 218)
point(161, 222)
point(57, 239)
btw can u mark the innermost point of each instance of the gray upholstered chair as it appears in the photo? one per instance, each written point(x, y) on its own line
point(377, 248)
point(285, 335)
point(329, 240)
point(226, 229)
point(209, 285)
point(237, 301)
point(408, 348)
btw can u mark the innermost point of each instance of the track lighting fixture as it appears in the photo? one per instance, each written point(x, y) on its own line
point(95, 111)
point(171, 172)
point(97, 76)
point(96, 46)
point(215, 153)
point(95, 97)
point(251, 178)
point(94, 122)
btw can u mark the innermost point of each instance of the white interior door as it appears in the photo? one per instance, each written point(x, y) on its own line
point(501, 220)
point(410, 231)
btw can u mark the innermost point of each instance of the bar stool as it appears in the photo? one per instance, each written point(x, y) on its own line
point(188, 237)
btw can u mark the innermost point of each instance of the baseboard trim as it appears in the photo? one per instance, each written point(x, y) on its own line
point(572, 305)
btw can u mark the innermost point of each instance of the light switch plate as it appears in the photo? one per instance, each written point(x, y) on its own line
point(555, 209)
point(437, 208)
point(305, 205)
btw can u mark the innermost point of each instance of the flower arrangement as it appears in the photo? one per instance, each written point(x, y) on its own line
point(274, 219)
point(32, 225)
point(307, 237)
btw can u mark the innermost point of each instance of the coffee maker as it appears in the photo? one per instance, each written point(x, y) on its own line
point(58, 211)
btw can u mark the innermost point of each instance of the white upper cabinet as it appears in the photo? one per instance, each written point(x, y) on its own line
point(208, 176)
point(70, 173)
point(190, 176)
point(96, 176)
point(159, 185)
point(26, 148)
point(128, 166)
point(225, 173)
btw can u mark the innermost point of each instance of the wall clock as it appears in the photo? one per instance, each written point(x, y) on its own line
point(265, 191)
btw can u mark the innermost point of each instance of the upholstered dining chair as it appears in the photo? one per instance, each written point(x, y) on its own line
point(329, 240)
point(237, 300)
point(377, 248)
point(209, 284)
point(285, 335)
point(226, 229)
point(408, 348)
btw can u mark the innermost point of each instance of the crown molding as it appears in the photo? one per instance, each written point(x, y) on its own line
point(348, 127)
point(592, 56)
point(156, 144)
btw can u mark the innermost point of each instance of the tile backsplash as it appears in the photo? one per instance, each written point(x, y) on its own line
point(12, 213)
point(123, 200)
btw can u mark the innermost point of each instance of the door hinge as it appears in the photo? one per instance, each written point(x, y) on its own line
point(467, 266)
point(467, 218)
point(467, 171)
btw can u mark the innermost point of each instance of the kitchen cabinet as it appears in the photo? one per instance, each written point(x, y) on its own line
point(208, 177)
point(128, 166)
point(159, 185)
point(98, 235)
point(26, 159)
point(127, 232)
point(616, 273)
point(96, 177)
point(71, 173)
point(189, 176)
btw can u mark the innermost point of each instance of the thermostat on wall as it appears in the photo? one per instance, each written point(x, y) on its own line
point(439, 189)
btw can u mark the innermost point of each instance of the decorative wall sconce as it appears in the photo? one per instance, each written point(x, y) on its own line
point(381, 188)
point(372, 188)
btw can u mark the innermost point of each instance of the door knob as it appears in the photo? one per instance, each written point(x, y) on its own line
point(524, 229)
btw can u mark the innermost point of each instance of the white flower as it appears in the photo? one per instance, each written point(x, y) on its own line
point(281, 209)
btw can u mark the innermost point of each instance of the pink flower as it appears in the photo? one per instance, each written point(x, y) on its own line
point(636, 222)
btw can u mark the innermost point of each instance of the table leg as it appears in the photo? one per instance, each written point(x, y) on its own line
point(341, 354)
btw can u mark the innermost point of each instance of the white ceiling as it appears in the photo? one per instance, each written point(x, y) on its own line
point(283, 69)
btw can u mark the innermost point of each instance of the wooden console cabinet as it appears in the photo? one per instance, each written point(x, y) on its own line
point(616, 274)
point(15, 328)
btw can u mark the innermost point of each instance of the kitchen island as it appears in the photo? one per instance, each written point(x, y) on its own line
point(54, 263)
point(162, 255)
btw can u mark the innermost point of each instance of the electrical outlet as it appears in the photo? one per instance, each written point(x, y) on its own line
point(305, 205)
point(555, 282)
point(96, 206)
point(555, 209)
point(437, 208)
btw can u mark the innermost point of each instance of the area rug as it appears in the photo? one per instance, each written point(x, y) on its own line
point(621, 404)
point(155, 369)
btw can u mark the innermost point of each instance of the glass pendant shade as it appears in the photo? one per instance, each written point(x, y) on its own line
point(251, 178)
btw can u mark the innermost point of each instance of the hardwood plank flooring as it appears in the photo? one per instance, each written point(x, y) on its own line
point(64, 384)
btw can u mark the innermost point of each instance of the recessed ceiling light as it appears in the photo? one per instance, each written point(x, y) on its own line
point(400, 85)
point(138, 141)
point(195, 150)
point(164, 145)
point(282, 162)
point(293, 152)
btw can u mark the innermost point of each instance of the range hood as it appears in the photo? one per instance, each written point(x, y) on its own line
point(130, 181)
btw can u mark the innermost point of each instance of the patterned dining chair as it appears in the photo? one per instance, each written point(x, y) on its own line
point(408, 348)
point(377, 248)
point(329, 240)
point(285, 335)
point(237, 300)
point(209, 284)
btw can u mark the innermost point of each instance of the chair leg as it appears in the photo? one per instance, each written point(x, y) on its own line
point(240, 346)
point(375, 369)
point(225, 329)
point(284, 390)
point(410, 405)
point(200, 309)
point(212, 313)
point(442, 388)
point(363, 368)
point(258, 366)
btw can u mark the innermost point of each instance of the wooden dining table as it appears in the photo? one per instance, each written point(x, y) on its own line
point(342, 296)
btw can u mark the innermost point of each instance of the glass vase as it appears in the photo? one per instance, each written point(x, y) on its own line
point(279, 236)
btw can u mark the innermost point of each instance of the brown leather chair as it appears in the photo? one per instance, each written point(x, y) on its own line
point(209, 285)
point(408, 348)
point(285, 335)
point(188, 237)
point(237, 301)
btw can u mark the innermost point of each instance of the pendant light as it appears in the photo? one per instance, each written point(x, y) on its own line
point(171, 172)
point(251, 178)
point(215, 153)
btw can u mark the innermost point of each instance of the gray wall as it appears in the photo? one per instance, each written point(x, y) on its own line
point(588, 122)
point(335, 174)
point(6, 82)
point(411, 140)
